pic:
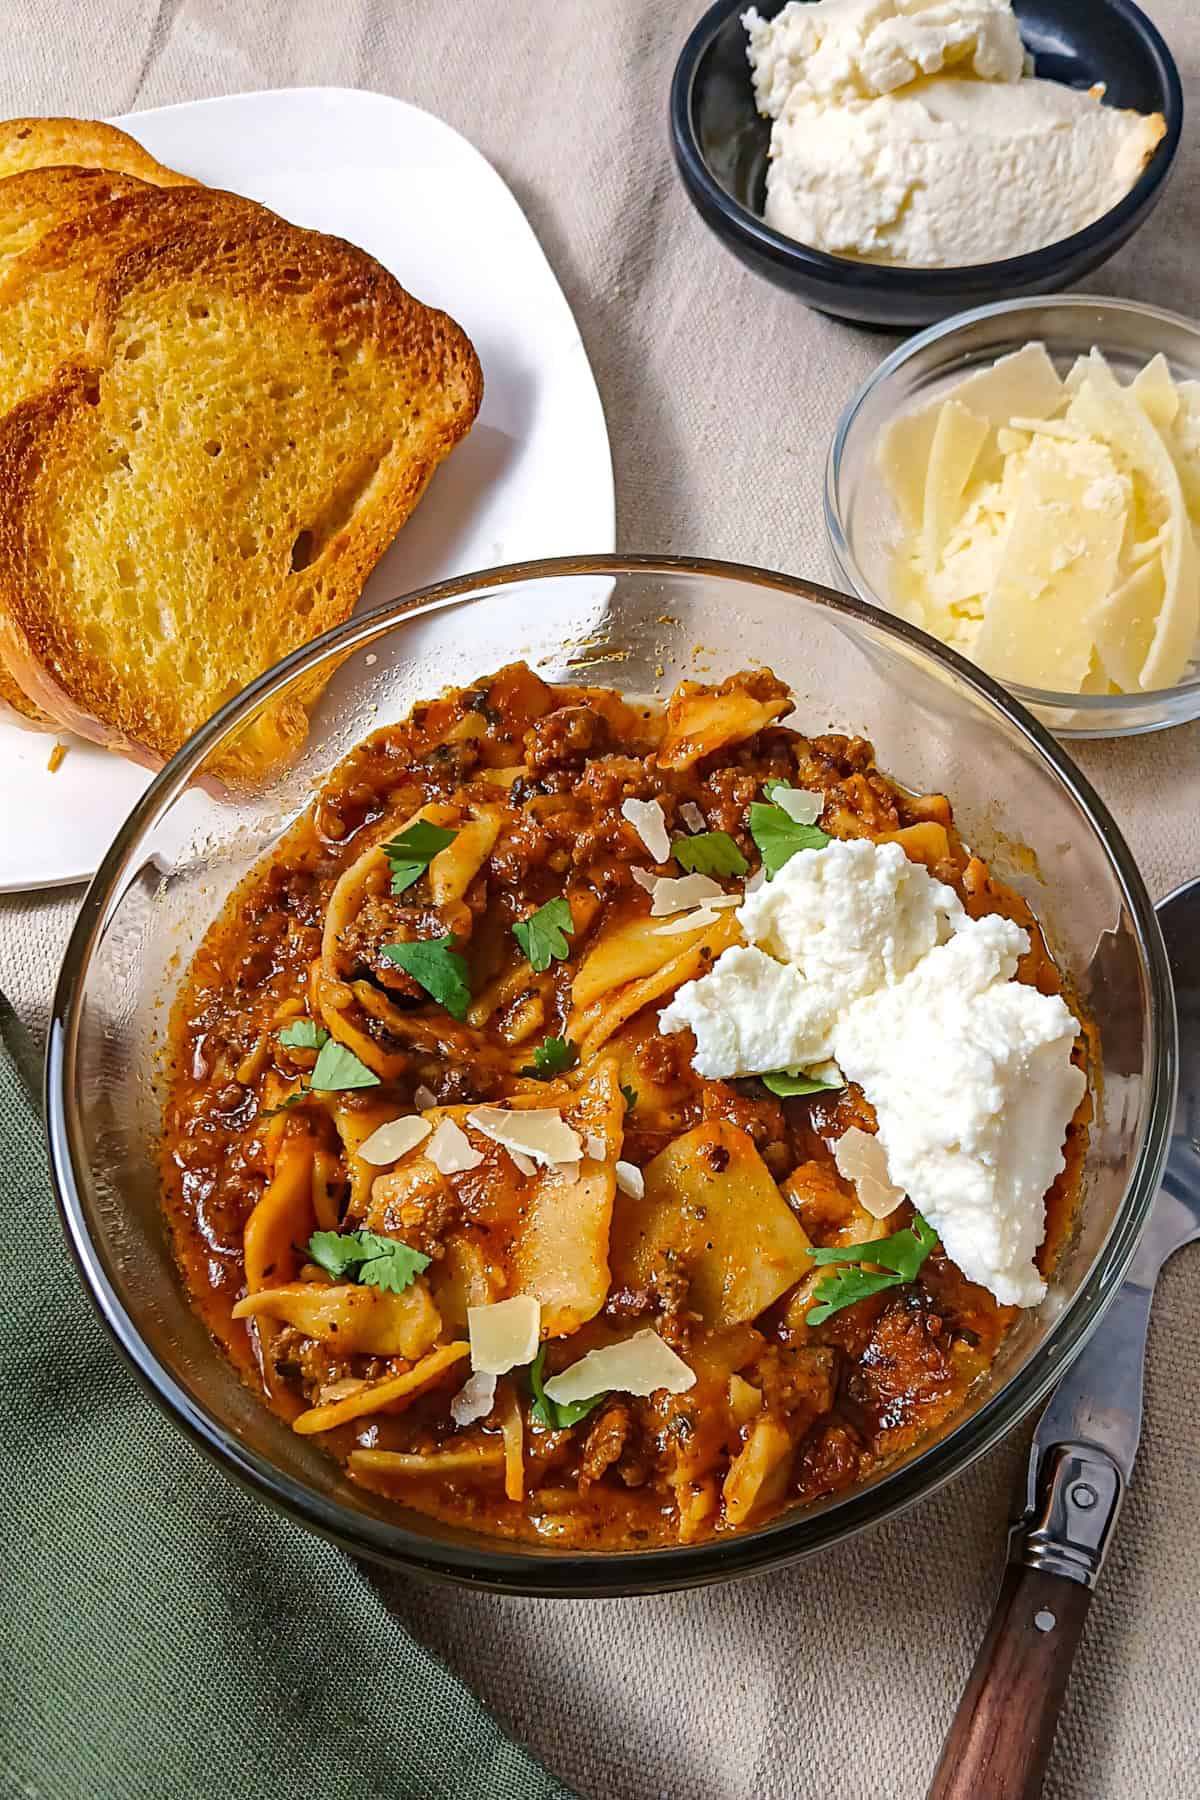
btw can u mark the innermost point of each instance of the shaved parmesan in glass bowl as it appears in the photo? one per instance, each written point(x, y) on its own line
point(870, 520)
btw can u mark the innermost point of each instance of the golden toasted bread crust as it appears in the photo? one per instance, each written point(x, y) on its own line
point(67, 227)
point(86, 143)
point(255, 415)
point(39, 200)
point(36, 202)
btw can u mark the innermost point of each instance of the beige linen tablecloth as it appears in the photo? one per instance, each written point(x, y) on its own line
point(836, 1680)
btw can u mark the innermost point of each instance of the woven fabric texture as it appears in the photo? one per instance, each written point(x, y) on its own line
point(834, 1681)
point(160, 1636)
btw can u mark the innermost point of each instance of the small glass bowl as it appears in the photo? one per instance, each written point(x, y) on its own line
point(639, 624)
point(859, 516)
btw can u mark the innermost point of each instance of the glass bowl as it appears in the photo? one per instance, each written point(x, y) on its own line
point(641, 625)
point(861, 521)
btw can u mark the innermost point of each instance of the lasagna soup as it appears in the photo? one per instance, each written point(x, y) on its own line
point(611, 1124)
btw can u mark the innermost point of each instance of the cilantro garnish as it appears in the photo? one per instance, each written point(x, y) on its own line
point(435, 965)
point(336, 1067)
point(552, 1057)
point(367, 1258)
point(783, 1084)
point(303, 1034)
point(543, 936)
point(709, 853)
point(779, 837)
point(901, 1255)
point(549, 1412)
point(631, 1096)
point(410, 854)
point(293, 1099)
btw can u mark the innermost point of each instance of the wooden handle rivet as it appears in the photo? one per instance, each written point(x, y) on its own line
point(1045, 1619)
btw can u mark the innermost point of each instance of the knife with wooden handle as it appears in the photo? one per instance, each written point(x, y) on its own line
point(1082, 1458)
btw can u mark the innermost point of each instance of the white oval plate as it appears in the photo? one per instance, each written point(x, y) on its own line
point(534, 478)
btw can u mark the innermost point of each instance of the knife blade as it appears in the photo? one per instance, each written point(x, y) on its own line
point(1086, 1441)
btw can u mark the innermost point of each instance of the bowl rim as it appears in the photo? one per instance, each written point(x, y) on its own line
point(839, 539)
point(493, 1565)
point(883, 279)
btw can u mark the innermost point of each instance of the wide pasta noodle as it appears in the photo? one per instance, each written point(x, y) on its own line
point(282, 1219)
point(685, 966)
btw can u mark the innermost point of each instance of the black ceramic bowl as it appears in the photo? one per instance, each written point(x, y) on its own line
point(720, 145)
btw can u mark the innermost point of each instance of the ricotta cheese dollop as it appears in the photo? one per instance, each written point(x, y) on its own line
point(860, 956)
point(907, 132)
point(973, 1086)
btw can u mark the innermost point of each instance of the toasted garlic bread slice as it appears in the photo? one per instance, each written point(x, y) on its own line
point(31, 205)
point(260, 410)
point(75, 223)
point(80, 143)
point(40, 200)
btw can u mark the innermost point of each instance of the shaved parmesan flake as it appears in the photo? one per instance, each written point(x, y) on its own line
point(595, 1147)
point(1156, 392)
point(630, 1180)
point(525, 1164)
point(672, 894)
point(504, 1335)
point(1024, 382)
point(642, 1364)
point(424, 1098)
point(339, 1390)
point(541, 1134)
point(689, 921)
point(800, 804)
point(649, 821)
point(394, 1140)
point(862, 1159)
point(567, 1173)
point(474, 1399)
point(645, 878)
point(692, 817)
point(958, 437)
point(450, 1151)
point(1105, 407)
point(1059, 555)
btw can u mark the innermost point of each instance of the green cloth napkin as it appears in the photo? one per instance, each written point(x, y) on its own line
point(162, 1634)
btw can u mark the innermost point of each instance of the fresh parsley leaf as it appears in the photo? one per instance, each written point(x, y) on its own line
point(548, 1412)
point(393, 1266)
point(435, 965)
point(410, 854)
point(709, 853)
point(631, 1096)
point(903, 1252)
point(543, 937)
point(367, 1258)
point(779, 838)
point(552, 1057)
point(337, 1067)
point(303, 1034)
point(783, 1084)
point(900, 1255)
point(338, 1253)
point(293, 1099)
